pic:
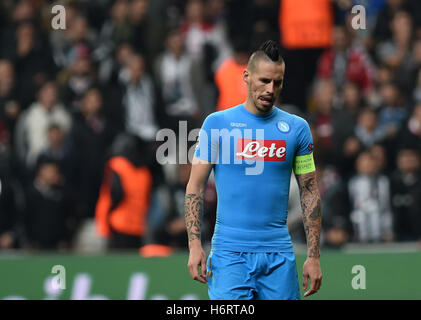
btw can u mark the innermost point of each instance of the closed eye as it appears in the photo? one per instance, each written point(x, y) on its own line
point(265, 80)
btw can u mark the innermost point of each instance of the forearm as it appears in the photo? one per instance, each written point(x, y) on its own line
point(193, 207)
point(312, 214)
point(312, 221)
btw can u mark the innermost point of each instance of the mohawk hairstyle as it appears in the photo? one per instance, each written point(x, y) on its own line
point(272, 50)
point(268, 51)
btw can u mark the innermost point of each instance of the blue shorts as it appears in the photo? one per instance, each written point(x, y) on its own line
point(252, 275)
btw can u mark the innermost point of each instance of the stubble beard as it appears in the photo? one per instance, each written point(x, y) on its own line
point(261, 108)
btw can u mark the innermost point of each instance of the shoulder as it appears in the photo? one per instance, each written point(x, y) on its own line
point(214, 116)
point(34, 108)
point(219, 117)
point(60, 112)
point(300, 122)
point(293, 120)
point(60, 109)
point(33, 114)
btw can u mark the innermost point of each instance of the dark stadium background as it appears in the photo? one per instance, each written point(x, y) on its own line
point(73, 101)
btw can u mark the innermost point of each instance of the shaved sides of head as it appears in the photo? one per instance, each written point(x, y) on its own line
point(268, 51)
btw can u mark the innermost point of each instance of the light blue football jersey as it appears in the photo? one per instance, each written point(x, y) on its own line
point(252, 159)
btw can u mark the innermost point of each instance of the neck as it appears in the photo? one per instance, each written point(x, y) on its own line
point(177, 54)
point(251, 107)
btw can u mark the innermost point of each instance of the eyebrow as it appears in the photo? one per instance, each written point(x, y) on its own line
point(267, 79)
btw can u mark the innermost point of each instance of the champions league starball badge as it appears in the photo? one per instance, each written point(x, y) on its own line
point(283, 126)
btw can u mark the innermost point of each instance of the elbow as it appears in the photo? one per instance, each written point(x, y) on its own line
point(195, 187)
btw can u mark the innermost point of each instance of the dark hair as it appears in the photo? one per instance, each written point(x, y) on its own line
point(45, 160)
point(272, 50)
point(406, 147)
point(269, 51)
point(54, 125)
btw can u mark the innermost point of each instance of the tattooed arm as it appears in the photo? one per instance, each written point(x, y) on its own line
point(312, 220)
point(193, 212)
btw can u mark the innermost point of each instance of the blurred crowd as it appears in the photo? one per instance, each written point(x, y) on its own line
point(80, 109)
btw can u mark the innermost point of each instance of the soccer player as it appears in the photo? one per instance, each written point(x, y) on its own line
point(252, 148)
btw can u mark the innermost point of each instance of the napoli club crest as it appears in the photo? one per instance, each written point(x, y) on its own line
point(283, 126)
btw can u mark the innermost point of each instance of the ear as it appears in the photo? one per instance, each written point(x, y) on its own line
point(246, 76)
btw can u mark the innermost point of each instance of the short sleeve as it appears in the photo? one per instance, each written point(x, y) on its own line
point(304, 138)
point(303, 160)
point(207, 146)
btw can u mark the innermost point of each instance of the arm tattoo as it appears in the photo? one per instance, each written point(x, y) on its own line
point(193, 207)
point(312, 212)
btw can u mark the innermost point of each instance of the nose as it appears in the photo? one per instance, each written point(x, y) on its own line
point(269, 87)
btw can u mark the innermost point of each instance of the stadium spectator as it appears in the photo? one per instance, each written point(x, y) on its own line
point(352, 99)
point(75, 80)
point(23, 11)
point(302, 52)
point(113, 79)
point(140, 100)
point(380, 157)
point(200, 35)
point(406, 196)
point(348, 155)
point(91, 135)
point(336, 207)
point(409, 81)
point(344, 121)
point(125, 197)
point(111, 70)
point(260, 14)
point(382, 30)
point(31, 129)
point(384, 75)
point(78, 32)
point(9, 217)
point(115, 31)
point(9, 105)
point(148, 32)
point(115, 37)
point(369, 194)
point(47, 217)
point(367, 129)
point(173, 232)
point(138, 13)
point(179, 79)
point(322, 117)
point(393, 112)
point(410, 135)
point(60, 150)
point(395, 50)
point(214, 11)
point(346, 62)
point(32, 60)
point(232, 89)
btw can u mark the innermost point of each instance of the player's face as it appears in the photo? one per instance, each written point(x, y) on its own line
point(264, 84)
